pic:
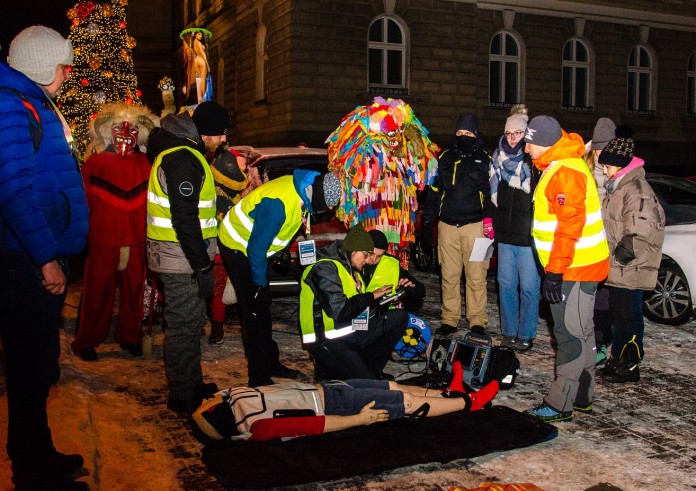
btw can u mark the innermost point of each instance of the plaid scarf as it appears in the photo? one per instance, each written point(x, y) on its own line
point(508, 165)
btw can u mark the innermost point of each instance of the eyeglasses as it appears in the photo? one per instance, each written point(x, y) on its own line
point(516, 134)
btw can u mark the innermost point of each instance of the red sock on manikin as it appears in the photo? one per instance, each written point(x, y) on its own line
point(457, 383)
point(483, 396)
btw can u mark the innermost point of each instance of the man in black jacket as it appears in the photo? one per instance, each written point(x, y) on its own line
point(460, 197)
point(182, 240)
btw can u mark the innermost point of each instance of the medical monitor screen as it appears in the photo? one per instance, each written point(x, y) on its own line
point(465, 355)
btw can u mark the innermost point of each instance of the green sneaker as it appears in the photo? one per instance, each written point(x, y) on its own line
point(548, 414)
point(583, 408)
point(602, 356)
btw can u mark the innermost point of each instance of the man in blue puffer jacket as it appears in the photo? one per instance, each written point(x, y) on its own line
point(44, 217)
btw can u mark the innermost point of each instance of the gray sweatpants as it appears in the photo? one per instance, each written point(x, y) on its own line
point(573, 327)
point(185, 315)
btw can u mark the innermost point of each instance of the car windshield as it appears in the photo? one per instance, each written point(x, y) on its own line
point(677, 196)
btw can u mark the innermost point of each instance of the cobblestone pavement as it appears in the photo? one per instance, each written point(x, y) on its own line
point(640, 436)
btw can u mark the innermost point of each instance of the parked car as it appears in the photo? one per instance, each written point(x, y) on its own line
point(267, 163)
point(672, 301)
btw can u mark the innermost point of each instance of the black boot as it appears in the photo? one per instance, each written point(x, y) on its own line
point(217, 333)
point(627, 369)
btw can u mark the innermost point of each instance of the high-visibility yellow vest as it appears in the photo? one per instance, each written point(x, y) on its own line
point(331, 331)
point(236, 226)
point(592, 246)
point(159, 215)
point(386, 273)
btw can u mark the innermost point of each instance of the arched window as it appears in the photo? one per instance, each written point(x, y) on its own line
point(577, 75)
point(261, 87)
point(641, 72)
point(691, 85)
point(387, 54)
point(505, 69)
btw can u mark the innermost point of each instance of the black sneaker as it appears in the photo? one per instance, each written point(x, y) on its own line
point(65, 464)
point(476, 329)
point(217, 333)
point(134, 349)
point(445, 330)
point(628, 372)
point(282, 371)
point(522, 345)
point(259, 380)
point(88, 354)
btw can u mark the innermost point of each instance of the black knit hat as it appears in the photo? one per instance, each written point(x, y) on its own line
point(468, 122)
point(379, 239)
point(618, 152)
point(211, 119)
point(358, 240)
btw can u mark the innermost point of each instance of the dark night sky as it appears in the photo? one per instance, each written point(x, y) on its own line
point(15, 15)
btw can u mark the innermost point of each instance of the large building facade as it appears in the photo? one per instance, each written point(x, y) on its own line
point(289, 70)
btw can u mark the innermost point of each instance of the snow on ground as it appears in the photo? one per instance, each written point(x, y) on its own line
point(640, 436)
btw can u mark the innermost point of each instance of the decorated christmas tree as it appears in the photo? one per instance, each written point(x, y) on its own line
point(103, 68)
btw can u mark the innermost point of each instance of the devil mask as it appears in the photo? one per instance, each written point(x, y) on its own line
point(125, 138)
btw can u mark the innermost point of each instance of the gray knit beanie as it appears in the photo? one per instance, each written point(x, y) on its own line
point(543, 131)
point(37, 51)
point(603, 132)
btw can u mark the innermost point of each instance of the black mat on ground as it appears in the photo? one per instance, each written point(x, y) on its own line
point(373, 449)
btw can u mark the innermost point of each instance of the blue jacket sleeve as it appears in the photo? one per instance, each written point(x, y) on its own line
point(269, 217)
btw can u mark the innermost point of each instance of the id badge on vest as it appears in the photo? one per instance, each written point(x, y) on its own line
point(361, 321)
point(307, 250)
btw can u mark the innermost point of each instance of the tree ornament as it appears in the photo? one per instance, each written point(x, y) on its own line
point(129, 100)
point(93, 29)
point(99, 97)
point(72, 13)
point(95, 62)
point(124, 2)
point(107, 10)
point(84, 82)
point(122, 24)
point(139, 93)
point(108, 74)
point(85, 9)
point(131, 42)
point(125, 55)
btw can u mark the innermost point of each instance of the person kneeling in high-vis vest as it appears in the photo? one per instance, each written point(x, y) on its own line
point(383, 269)
point(337, 328)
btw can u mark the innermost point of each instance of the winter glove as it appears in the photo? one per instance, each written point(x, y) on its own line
point(488, 228)
point(282, 258)
point(204, 278)
point(261, 300)
point(552, 289)
point(624, 250)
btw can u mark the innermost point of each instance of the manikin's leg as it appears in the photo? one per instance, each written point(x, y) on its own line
point(415, 397)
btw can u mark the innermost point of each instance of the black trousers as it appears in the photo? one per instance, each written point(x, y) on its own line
point(361, 354)
point(257, 332)
point(29, 331)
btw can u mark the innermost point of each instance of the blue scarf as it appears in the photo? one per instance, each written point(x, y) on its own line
point(508, 165)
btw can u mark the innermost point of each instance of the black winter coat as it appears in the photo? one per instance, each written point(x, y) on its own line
point(512, 218)
point(460, 193)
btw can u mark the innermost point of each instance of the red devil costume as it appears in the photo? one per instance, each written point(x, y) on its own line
point(116, 187)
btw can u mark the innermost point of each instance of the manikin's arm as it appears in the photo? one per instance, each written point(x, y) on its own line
point(365, 417)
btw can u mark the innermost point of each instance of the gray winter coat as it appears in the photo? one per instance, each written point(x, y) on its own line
point(632, 213)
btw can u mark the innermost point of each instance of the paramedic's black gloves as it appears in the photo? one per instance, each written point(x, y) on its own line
point(204, 278)
point(552, 289)
point(260, 300)
point(427, 235)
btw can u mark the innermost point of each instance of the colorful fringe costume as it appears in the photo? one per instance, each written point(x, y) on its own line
point(383, 156)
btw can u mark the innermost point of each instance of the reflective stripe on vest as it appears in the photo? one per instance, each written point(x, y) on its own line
point(386, 273)
point(307, 306)
point(159, 215)
point(236, 226)
point(592, 246)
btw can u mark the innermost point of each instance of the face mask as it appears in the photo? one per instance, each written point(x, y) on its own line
point(465, 142)
point(125, 137)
